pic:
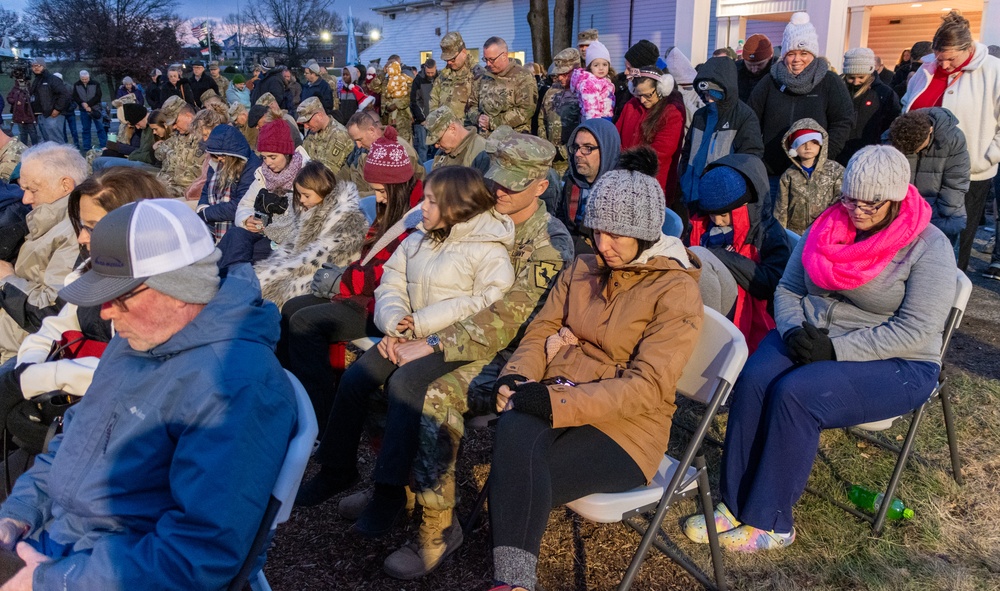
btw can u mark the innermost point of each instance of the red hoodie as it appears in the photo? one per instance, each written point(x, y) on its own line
point(666, 143)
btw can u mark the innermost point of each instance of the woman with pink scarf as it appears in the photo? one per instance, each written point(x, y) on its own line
point(859, 311)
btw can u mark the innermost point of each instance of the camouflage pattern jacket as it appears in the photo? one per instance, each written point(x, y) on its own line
point(542, 245)
point(331, 146)
point(10, 157)
point(453, 88)
point(561, 115)
point(182, 158)
point(223, 83)
point(469, 152)
point(508, 98)
point(802, 197)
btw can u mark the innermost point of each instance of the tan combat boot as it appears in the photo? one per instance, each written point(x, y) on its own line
point(439, 536)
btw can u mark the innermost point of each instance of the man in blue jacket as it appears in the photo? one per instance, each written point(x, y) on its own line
point(164, 470)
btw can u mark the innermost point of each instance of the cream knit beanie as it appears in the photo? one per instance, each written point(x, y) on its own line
point(875, 174)
point(800, 35)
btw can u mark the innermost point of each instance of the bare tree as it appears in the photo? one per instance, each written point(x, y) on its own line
point(538, 22)
point(120, 37)
point(562, 25)
point(293, 22)
point(11, 25)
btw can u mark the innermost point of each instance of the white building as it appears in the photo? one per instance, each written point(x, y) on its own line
point(413, 29)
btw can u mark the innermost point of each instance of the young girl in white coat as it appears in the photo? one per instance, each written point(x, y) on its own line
point(455, 265)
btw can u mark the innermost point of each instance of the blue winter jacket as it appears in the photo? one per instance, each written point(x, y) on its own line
point(321, 90)
point(164, 470)
point(226, 139)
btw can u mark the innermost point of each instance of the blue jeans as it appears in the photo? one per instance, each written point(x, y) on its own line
point(778, 410)
point(995, 257)
point(98, 121)
point(53, 129)
point(71, 124)
point(420, 141)
point(28, 131)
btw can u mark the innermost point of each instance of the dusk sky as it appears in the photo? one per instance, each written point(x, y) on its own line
point(220, 8)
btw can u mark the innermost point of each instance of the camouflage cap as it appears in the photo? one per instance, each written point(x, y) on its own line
point(213, 65)
point(565, 61)
point(308, 108)
point(517, 159)
point(266, 99)
point(207, 95)
point(235, 109)
point(171, 108)
point(451, 45)
point(586, 37)
point(437, 123)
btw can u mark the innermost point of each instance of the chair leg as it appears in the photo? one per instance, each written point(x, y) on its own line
point(904, 456)
point(704, 491)
point(648, 539)
point(949, 426)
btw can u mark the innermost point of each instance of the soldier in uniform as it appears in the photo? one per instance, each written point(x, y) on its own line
point(11, 149)
point(506, 93)
point(275, 112)
point(364, 128)
point(239, 118)
point(327, 140)
point(457, 145)
point(583, 40)
point(561, 106)
point(453, 85)
point(180, 153)
point(221, 81)
point(542, 245)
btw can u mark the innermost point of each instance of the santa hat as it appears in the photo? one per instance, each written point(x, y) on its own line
point(801, 136)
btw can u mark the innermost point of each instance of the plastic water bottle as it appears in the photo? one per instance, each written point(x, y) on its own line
point(870, 500)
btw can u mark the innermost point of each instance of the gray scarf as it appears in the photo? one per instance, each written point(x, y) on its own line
point(804, 82)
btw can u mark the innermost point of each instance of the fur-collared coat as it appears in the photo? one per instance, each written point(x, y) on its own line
point(331, 232)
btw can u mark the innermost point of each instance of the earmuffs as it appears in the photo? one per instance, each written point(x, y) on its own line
point(664, 82)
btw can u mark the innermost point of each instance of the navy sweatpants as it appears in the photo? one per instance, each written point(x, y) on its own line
point(778, 410)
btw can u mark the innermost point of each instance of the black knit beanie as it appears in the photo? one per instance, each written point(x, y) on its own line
point(134, 113)
point(644, 53)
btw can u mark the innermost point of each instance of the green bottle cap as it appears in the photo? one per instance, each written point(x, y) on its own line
point(907, 513)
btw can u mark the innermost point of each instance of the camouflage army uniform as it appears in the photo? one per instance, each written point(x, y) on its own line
point(396, 112)
point(469, 152)
point(542, 245)
point(182, 158)
point(223, 83)
point(508, 98)
point(560, 115)
point(332, 145)
point(10, 157)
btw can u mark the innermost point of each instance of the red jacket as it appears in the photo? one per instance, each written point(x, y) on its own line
point(666, 143)
point(751, 315)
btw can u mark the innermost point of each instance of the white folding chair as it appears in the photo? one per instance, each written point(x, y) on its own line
point(708, 378)
point(283, 494)
point(962, 292)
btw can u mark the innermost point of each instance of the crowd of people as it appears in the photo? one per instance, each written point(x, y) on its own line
point(536, 244)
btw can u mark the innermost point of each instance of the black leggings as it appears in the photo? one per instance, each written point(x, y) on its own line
point(536, 468)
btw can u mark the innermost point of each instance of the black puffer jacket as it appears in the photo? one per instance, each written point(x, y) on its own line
point(736, 129)
point(778, 108)
point(49, 93)
point(747, 80)
point(274, 83)
point(874, 111)
point(941, 172)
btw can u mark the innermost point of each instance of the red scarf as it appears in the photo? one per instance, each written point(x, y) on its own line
point(933, 95)
point(750, 315)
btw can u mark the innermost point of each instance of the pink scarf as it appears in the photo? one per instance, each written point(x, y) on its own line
point(834, 261)
point(278, 182)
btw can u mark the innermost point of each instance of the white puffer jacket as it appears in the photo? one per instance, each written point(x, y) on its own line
point(974, 98)
point(440, 284)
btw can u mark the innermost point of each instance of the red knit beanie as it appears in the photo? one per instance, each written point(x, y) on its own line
point(275, 137)
point(387, 162)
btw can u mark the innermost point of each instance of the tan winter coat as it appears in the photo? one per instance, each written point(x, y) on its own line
point(636, 333)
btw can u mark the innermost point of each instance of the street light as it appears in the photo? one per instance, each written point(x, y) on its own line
point(374, 35)
point(325, 36)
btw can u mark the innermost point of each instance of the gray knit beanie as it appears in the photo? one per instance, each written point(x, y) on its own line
point(195, 284)
point(627, 202)
point(875, 174)
point(859, 61)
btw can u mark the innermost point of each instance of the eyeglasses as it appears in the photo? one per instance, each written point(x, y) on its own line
point(852, 204)
point(120, 300)
point(88, 229)
point(644, 95)
point(490, 61)
point(585, 149)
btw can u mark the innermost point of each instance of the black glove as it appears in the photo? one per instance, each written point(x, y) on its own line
point(799, 346)
point(533, 398)
point(270, 203)
point(510, 380)
point(822, 346)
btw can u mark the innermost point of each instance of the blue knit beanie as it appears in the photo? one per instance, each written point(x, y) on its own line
point(722, 189)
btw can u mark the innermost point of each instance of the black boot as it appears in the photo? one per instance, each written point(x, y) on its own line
point(385, 509)
point(324, 485)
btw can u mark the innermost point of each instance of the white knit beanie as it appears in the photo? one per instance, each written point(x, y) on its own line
point(877, 173)
point(680, 67)
point(597, 50)
point(800, 35)
point(859, 61)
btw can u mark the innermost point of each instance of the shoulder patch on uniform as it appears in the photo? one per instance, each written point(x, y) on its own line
point(545, 273)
